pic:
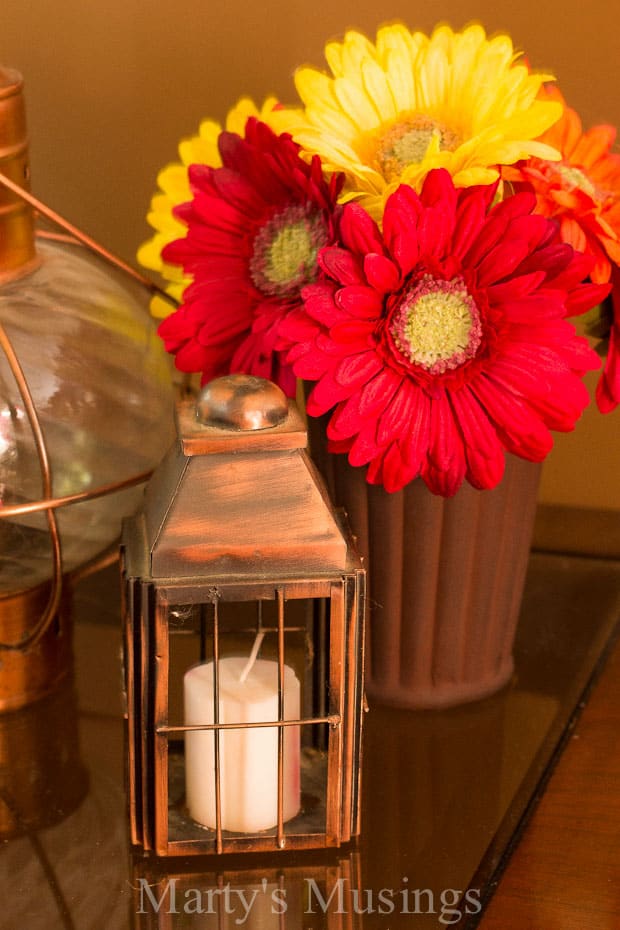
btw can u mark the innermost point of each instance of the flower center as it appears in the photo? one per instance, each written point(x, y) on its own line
point(285, 249)
point(437, 325)
point(575, 177)
point(407, 141)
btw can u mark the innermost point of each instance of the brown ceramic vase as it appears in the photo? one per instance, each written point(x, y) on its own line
point(445, 580)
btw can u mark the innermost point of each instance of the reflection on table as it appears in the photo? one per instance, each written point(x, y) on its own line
point(442, 791)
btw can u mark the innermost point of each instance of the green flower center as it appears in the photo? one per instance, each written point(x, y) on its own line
point(407, 141)
point(576, 178)
point(437, 325)
point(285, 249)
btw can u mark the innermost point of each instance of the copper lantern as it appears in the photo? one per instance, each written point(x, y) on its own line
point(243, 615)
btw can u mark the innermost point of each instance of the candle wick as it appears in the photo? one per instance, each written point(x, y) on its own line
point(250, 663)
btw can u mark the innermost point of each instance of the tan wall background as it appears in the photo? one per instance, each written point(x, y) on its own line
point(114, 84)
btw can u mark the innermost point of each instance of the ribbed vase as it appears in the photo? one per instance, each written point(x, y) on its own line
point(445, 581)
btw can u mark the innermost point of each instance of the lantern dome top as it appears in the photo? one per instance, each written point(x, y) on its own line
point(241, 402)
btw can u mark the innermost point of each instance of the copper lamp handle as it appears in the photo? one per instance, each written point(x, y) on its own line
point(85, 239)
point(53, 601)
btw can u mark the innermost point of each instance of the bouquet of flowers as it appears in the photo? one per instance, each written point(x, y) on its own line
point(412, 240)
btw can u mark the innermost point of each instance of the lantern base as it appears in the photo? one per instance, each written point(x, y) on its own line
point(27, 675)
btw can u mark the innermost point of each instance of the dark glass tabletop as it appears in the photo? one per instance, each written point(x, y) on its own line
point(445, 792)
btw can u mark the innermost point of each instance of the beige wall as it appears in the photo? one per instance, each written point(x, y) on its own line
point(113, 84)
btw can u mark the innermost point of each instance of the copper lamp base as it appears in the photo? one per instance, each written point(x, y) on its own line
point(26, 675)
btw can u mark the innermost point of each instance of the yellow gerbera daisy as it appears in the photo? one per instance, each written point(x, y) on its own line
point(174, 189)
point(395, 110)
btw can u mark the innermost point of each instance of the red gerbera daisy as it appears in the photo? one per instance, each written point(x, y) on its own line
point(442, 343)
point(608, 387)
point(254, 228)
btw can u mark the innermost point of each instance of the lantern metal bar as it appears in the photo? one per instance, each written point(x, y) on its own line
point(144, 698)
point(263, 843)
point(160, 712)
point(319, 667)
point(203, 633)
point(280, 599)
point(195, 591)
point(336, 699)
point(356, 597)
point(128, 601)
point(332, 719)
point(245, 629)
point(216, 721)
point(351, 747)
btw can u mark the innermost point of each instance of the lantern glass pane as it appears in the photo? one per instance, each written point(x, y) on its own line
point(231, 777)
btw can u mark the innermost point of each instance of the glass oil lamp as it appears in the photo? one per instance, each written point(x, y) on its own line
point(85, 414)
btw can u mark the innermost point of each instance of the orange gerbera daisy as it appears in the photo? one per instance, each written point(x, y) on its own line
point(582, 191)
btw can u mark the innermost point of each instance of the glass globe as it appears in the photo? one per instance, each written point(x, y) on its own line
point(101, 385)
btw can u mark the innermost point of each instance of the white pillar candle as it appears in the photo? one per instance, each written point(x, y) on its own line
point(249, 755)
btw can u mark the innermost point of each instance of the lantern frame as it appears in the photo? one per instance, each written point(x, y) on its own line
point(172, 567)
